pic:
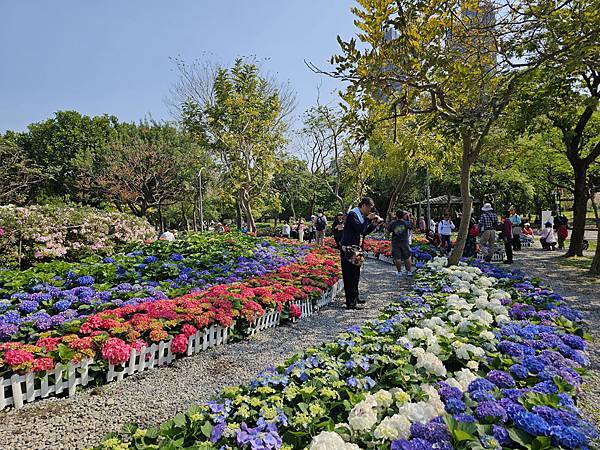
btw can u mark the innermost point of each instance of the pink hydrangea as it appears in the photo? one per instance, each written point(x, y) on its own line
point(116, 351)
point(188, 330)
point(179, 343)
point(295, 311)
point(43, 364)
point(17, 358)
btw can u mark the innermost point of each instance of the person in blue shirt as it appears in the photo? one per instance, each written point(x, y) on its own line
point(360, 221)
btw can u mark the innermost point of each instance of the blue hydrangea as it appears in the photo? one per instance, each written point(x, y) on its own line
point(545, 387)
point(533, 364)
point(568, 437)
point(108, 260)
point(464, 418)
point(149, 259)
point(62, 305)
point(176, 257)
point(481, 396)
point(481, 384)
point(455, 406)
point(531, 423)
point(86, 280)
point(447, 392)
point(519, 371)
point(11, 317)
point(28, 306)
point(574, 341)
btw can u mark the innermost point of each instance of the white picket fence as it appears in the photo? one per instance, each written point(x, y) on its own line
point(16, 390)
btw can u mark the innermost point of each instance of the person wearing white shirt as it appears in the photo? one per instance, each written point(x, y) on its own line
point(286, 230)
point(445, 228)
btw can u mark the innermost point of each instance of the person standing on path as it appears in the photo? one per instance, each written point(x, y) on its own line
point(400, 229)
point(445, 227)
point(516, 221)
point(301, 229)
point(360, 221)
point(286, 230)
point(507, 236)
point(470, 250)
point(311, 229)
point(320, 227)
point(338, 228)
point(488, 221)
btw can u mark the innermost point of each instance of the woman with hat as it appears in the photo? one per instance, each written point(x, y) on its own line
point(488, 221)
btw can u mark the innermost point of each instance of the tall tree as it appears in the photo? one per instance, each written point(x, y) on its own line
point(243, 122)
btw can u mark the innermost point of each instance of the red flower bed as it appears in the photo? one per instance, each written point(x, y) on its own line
point(110, 335)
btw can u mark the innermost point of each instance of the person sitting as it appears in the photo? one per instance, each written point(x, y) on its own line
point(527, 233)
point(547, 237)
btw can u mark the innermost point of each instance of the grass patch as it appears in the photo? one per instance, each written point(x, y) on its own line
point(580, 265)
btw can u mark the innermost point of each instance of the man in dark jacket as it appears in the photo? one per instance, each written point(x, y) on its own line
point(360, 221)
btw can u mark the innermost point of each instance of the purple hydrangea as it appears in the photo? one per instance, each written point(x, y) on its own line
point(86, 280)
point(411, 444)
point(533, 364)
point(489, 410)
point(501, 435)
point(447, 392)
point(501, 378)
point(432, 432)
point(574, 341)
point(28, 306)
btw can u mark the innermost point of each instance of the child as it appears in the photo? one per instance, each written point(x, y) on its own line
point(547, 237)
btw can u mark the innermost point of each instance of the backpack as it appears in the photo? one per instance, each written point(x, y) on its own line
point(321, 223)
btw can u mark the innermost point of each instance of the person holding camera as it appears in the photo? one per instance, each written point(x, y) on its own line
point(360, 221)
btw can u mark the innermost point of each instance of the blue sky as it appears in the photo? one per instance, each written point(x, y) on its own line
point(113, 56)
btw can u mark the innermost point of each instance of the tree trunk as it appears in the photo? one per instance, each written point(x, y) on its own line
point(247, 210)
point(467, 201)
point(579, 212)
point(185, 218)
point(161, 223)
point(238, 214)
point(394, 197)
point(595, 268)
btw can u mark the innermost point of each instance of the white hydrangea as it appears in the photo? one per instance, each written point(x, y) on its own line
point(431, 363)
point(473, 365)
point(482, 316)
point(487, 335)
point(421, 412)
point(330, 440)
point(394, 427)
point(383, 398)
point(364, 414)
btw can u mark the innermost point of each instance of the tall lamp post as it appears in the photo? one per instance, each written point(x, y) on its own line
point(428, 194)
point(201, 200)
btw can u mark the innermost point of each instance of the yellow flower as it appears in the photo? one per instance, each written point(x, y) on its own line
point(196, 417)
point(302, 420)
point(276, 400)
point(265, 390)
point(339, 384)
point(269, 413)
point(308, 390)
point(329, 393)
point(240, 399)
point(401, 397)
point(139, 433)
point(255, 401)
point(290, 392)
point(316, 410)
point(243, 412)
point(231, 391)
point(115, 444)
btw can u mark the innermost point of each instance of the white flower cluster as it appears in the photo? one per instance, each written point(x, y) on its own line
point(330, 440)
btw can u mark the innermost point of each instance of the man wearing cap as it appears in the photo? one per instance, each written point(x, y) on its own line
point(487, 228)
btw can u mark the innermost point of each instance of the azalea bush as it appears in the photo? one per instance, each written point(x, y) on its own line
point(58, 295)
point(109, 336)
point(42, 233)
point(473, 357)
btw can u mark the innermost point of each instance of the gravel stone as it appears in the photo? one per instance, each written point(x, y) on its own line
point(154, 396)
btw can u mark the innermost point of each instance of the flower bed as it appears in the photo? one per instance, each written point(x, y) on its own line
point(474, 357)
point(59, 296)
point(36, 233)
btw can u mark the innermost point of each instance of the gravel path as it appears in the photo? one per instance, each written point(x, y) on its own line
point(582, 293)
point(157, 395)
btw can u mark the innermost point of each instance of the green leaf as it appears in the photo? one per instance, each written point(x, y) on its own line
point(206, 429)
